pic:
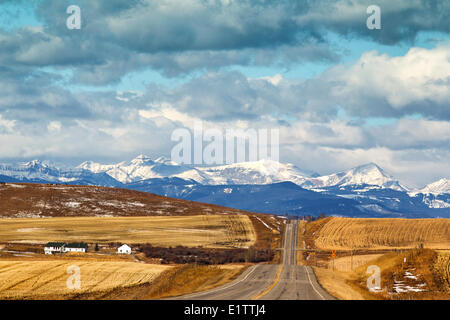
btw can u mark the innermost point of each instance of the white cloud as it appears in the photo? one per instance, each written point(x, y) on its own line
point(8, 125)
point(422, 74)
point(54, 126)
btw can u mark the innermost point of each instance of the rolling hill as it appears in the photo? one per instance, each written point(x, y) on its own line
point(50, 200)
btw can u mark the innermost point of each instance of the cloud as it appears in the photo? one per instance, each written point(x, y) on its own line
point(178, 38)
point(401, 20)
point(378, 85)
point(413, 134)
point(40, 116)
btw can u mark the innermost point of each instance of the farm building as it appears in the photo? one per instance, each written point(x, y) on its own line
point(76, 247)
point(60, 247)
point(54, 247)
point(124, 249)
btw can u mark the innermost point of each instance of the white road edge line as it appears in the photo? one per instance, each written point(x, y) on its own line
point(307, 272)
point(223, 288)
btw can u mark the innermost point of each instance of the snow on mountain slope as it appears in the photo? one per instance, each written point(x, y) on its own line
point(441, 186)
point(256, 172)
point(33, 170)
point(140, 168)
point(37, 171)
point(368, 174)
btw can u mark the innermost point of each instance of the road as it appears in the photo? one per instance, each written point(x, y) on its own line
point(287, 281)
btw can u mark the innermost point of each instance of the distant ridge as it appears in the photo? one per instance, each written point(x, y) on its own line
point(260, 186)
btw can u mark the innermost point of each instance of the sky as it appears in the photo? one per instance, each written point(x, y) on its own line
point(340, 94)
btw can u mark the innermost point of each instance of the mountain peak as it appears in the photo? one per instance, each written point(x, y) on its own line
point(141, 159)
point(34, 164)
point(371, 166)
point(165, 160)
point(366, 174)
point(438, 187)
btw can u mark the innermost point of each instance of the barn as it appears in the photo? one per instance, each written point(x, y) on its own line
point(76, 247)
point(124, 249)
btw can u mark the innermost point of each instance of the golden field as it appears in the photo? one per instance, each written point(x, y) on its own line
point(349, 263)
point(442, 269)
point(189, 279)
point(359, 233)
point(394, 245)
point(419, 274)
point(220, 231)
point(47, 279)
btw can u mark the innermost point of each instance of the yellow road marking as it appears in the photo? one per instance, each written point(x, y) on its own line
point(271, 286)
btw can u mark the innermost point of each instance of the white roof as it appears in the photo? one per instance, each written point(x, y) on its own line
point(124, 246)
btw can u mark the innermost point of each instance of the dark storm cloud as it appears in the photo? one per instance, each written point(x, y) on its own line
point(178, 37)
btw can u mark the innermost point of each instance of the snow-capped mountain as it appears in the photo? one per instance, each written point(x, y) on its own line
point(441, 186)
point(256, 172)
point(33, 170)
point(37, 171)
point(368, 174)
point(435, 195)
point(144, 168)
point(260, 186)
point(140, 168)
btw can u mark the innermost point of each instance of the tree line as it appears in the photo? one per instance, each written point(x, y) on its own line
point(205, 256)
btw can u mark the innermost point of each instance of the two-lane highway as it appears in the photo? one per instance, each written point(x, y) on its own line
point(287, 281)
point(296, 282)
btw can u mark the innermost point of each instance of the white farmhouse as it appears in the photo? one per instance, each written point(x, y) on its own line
point(124, 249)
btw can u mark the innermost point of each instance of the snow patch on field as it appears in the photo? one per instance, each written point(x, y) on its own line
point(29, 215)
point(410, 283)
point(267, 226)
point(72, 204)
point(15, 185)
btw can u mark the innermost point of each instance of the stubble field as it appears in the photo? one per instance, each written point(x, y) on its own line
point(48, 279)
point(220, 231)
point(352, 233)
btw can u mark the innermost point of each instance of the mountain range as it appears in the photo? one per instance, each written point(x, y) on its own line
point(261, 186)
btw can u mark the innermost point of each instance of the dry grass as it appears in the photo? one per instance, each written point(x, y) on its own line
point(47, 279)
point(390, 241)
point(336, 283)
point(192, 278)
point(423, 276)
point(352, 233)
point(268, 230)
point(206, 230)
point(350, 263)
point(442, 270)
point(341, 282)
